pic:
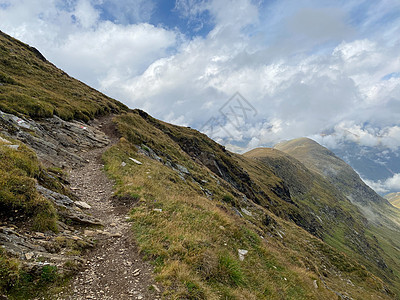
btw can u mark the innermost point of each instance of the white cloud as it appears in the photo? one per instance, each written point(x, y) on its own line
point(98, 52)
point(320, 24)
point(372, 136)
point(113, 52)
point(86, 14)
point(391, 184)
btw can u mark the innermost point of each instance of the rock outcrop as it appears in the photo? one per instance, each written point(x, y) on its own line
point(55, 141)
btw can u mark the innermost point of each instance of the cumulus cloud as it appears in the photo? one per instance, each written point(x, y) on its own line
point(365, 135)
point(391, 184)
point(75, 36)
point(85, 14)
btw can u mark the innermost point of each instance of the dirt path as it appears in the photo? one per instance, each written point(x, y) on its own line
point(114, 269)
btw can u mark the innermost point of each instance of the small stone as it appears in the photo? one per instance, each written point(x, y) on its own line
point(183, 169)
point(82, 205)
point(315, 284)
point(157, 209)
point(242, 253)
point(40, 235)
point(4, 140)
point(156, 288)
point(117, 234)
point(29, 255)
point(135, 160)
point(113, 224)
point(246, 212)
point(123, 164)
point(14, 147)
point(89, 233)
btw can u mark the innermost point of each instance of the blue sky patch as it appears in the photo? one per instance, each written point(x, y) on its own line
point(391, 75)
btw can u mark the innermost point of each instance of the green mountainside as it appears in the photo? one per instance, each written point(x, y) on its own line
point(327, 164)
point(215, 225)
point(394, 199)
point(383, 219)
point(32, 86)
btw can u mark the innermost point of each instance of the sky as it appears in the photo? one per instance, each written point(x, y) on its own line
point(247, 73)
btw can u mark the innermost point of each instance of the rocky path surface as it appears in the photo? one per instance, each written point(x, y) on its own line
point(114, 269)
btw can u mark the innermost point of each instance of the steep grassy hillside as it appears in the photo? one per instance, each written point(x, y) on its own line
point(394, 199)
point(340, 223)
point(383, 225)
point(32, 86)
point(328, 165)
point(191, 219)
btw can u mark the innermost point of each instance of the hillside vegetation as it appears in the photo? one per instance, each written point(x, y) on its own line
point(32, 86)
point(216, 225)
point(394, 199)
point(191, 222)
point(383, 227)
point(23, 206)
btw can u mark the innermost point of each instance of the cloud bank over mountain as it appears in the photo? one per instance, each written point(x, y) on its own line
point(323, 69)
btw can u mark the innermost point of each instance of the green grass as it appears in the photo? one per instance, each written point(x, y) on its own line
point(20, 170)
point(33, 87)
point(339, 223)
point(19, 199)
point(9, 272)
point(19, 284)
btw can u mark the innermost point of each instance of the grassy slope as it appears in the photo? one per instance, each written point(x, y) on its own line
point(384, 220)
point(19, 200)
point(394, 199)
point(324, 162)
point(193, 239)
point(19, 171)
point(30, 85)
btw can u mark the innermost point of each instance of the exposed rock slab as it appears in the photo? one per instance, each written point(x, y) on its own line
point(55, 141)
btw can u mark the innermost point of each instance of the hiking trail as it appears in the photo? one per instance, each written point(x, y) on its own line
point(114, 268)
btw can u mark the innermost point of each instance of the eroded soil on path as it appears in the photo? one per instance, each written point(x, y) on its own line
point(114, 269)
